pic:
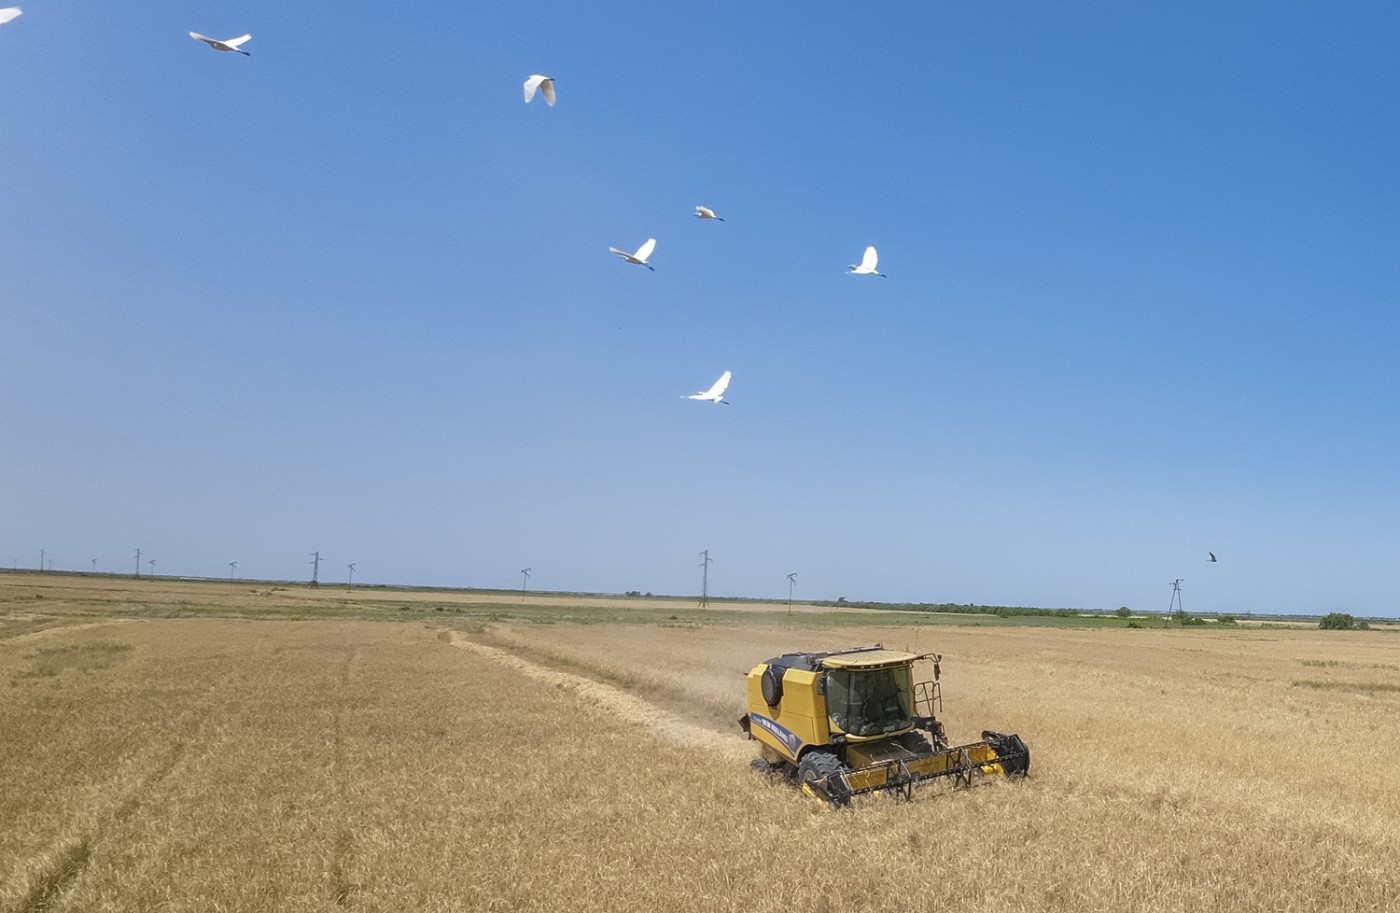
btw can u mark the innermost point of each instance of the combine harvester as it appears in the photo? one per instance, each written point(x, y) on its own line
point(857, 721)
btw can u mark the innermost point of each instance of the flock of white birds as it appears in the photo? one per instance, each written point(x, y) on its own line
point(715, 394)
point(544, 86)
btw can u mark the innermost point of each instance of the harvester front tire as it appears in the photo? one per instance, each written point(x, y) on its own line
point(820, 765)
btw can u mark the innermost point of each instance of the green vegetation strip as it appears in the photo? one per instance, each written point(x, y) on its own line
point(1357, 687)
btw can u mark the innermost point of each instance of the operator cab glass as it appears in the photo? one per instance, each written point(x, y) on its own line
point(869, 702)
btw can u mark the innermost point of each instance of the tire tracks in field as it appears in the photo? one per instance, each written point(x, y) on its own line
point(341, 888)
point(615, 703)
point(72, 857)
point(59, 627)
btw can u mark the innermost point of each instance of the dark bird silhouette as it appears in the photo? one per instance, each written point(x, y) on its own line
point(1212, 555)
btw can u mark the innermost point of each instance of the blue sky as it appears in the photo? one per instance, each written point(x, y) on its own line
point(351, 294)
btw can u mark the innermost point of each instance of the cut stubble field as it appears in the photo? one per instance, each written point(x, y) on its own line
point(374, 758)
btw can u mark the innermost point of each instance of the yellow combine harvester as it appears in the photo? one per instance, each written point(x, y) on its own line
point(857, 721)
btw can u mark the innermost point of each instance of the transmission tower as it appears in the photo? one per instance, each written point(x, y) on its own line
point(705, 579)
point(315, 566)
point(1176, 598)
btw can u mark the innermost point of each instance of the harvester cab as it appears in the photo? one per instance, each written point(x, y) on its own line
point(849, 722)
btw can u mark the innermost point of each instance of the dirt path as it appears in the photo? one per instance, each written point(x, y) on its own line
point(618, 704)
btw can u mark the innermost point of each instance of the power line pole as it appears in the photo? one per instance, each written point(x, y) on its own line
point(1176, 598)
point(792, 581)
point(315, 567)
point(705, 579)
point(524, 579)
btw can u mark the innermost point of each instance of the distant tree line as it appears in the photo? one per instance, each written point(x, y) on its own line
point(1001, 611)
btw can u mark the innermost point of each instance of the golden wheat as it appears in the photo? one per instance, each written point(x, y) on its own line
point(225, 764)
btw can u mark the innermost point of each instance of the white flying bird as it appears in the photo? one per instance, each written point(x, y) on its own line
point(716, 393)
point(228, 44)
point(705, 212)
point(640, 257)
point(546, 86)
point(9, 13)
point(867, 265)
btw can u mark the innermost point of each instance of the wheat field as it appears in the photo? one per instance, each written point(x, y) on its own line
point(384, 759)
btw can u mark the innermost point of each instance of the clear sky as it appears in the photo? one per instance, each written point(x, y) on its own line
point(351, 294)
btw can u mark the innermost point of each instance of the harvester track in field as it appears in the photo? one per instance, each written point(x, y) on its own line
point(341, 888)
point(58, 626)
point(69, 860)
point(615, 702)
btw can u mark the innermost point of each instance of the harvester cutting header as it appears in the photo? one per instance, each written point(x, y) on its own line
point(850, 722)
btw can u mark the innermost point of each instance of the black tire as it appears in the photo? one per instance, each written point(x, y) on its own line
point(821, 765)
point(772, 685)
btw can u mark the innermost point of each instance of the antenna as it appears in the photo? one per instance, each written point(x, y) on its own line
point(792, 582)
point(705, 579)
point(524, 579)
point(315, 563)
point(232, 566)
point(138, 562)
point(350, 582)
point(1176, 598)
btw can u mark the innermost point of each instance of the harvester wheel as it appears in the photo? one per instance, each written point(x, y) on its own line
point(823, 766)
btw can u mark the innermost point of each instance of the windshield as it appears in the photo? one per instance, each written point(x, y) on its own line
point(868, 702)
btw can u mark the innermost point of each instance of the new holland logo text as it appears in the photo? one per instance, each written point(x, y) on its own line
point(789, 740)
